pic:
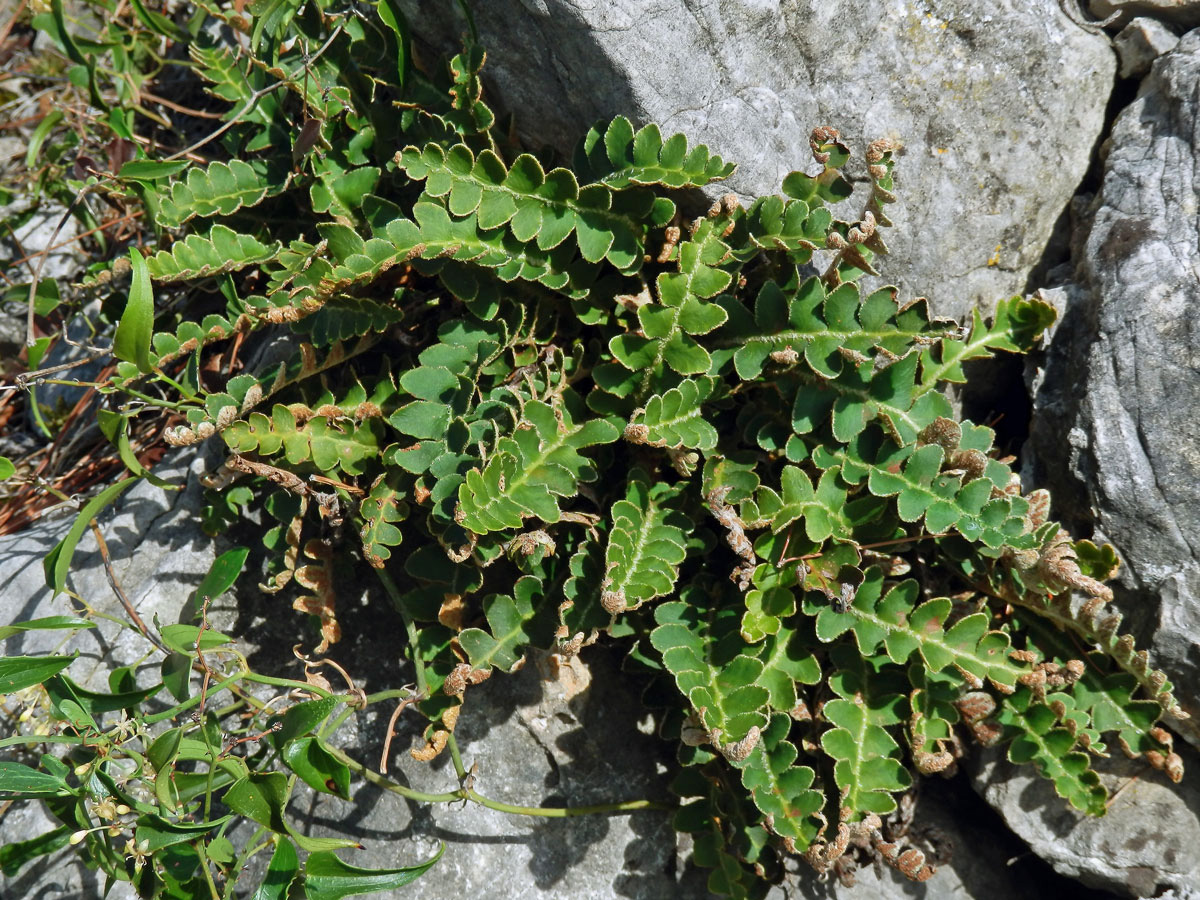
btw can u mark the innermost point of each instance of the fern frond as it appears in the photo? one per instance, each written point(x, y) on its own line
point(531, 469)
point(895, 622)
point(1040, 740)
point(1017, 325)
point(674, 419)
point(827, 330)
point(722, 688)
point(534, 205)
point(619, 157)
point(328, 443)
point(782, 790)
point(221, 250)
point(380, 510)
point(646, 544)
point(221, 189)
point(514, 623)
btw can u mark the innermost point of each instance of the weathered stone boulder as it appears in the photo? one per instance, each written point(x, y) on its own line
point(1115, 433)
point(997, 135)
point(1140, 43)
point(1145, 845)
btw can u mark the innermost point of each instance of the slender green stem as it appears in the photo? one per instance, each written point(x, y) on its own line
point(467, 794)
point(288, 683)
point(409, 626)
point(191, 395)
point(244, 858)
point(18, 739)
point(157, 401)
point(212, 885)
point(192, 701)
point(393, 694)
point(456, 757)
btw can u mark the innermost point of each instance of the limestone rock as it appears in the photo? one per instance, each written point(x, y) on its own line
point(996, 135)
point(1115, 434)
point(1140, 43)
point(1145, 845)
point(544, 736)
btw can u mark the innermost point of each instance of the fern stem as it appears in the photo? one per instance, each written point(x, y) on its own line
point(409, 626)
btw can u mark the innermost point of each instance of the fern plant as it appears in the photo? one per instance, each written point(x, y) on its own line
point(552, 405)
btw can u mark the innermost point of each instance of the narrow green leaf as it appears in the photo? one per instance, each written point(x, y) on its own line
point(281, 872)
point(151, 169)
point(23, 781)
point(14, 856)
point(393, 17)
point(222, 574)
point(132, 339)
point(328, 878)
point(48, 623)
point(182, 638)
point(58, 561)
point(20, 672)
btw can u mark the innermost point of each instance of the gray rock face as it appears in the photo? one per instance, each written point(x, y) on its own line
point(1145, 845)
point(1140, 43)
point(1115, 434)
point(541, 737)
point(996, 136)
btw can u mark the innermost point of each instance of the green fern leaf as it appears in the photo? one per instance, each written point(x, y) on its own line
point(535, 205)
point(865, 768)
point(782, 790)
point(1016, 326)
point(221, 189)
point(514, 623)
point(346, 318)
point(787, 662)
point(768, 603)
point(820, 508)
point(826, 330)
point(329, 444)
point(618, 157)
point(645, 546)
point(1050, 748)
point(381, 509)
point(792, 226)
point(530, 469)
point(722, 688)
point(222, 250)
point(581, 613)
point(901, 627)
point(682, 311)
point(854, 399)
point(673, 419)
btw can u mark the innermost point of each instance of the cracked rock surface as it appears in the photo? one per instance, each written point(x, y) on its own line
point(997, 135)
point(1146, 844)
